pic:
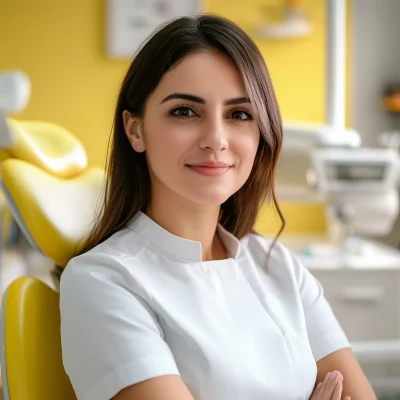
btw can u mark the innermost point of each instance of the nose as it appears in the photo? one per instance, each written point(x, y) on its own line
point(214, 136)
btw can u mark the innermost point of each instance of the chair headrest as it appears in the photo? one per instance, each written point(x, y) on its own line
point(57, 212)
point(48, 146)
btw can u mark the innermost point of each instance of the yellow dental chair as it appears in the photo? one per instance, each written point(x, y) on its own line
point(53, 197)
point(48, 188)
point(31, 349)
point(46, 145)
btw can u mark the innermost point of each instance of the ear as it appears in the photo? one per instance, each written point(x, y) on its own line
point(133, 131)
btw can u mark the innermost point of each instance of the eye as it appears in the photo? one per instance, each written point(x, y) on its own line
point(241, 115)
point(182, 112)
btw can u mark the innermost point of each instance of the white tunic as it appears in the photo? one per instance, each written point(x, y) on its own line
point(143, 304)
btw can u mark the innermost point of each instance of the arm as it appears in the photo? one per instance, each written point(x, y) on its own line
point(112, 343)
point(161, 388)
point(355, 383)
point(328, 342)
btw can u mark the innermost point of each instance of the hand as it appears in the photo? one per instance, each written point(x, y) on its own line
point(331, 388)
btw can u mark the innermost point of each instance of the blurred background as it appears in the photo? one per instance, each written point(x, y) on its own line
point(335, 66)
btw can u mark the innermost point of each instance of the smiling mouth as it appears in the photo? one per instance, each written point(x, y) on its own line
point(210, 171)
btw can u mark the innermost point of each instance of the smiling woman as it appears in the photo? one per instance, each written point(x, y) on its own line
point(197, 122)
point(173, 296)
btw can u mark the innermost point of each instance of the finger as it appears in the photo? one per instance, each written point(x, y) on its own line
point(323, 387)
point(337, 393)
point(336, 375)
point(329, 384)
point(316, 392)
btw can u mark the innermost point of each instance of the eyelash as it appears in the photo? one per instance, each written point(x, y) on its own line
point(182, 107)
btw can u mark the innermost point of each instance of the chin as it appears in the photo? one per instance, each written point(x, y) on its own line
point(209, 197)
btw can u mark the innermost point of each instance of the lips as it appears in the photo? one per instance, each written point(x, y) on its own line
point(211, 164)
point(210, 168)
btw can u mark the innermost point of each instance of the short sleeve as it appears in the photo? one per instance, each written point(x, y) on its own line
point(324, 331)
point(109, 334)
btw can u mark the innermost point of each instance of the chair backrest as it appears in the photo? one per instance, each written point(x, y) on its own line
point(54, 213)
point(31, 358)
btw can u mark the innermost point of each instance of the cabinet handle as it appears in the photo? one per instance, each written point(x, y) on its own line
point(365, 294)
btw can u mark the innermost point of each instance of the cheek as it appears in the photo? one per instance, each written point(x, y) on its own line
point(165, 146)
point(247, 149)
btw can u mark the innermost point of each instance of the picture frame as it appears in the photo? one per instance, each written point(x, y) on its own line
point(130, 22)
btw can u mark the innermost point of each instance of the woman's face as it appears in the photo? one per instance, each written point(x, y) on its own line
point(199, 131)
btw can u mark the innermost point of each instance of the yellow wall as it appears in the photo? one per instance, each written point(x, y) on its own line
point(297, 67)
point(60, 45)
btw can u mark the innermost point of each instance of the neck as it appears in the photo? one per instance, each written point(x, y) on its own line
point(189, 221)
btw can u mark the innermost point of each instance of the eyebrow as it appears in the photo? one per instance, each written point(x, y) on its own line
point(196, 99)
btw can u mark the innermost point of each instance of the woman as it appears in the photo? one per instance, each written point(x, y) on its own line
point(173, 296)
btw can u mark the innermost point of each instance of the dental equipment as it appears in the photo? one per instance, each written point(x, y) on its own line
point(15, 91)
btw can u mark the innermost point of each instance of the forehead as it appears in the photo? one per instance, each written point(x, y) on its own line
point(206, 74)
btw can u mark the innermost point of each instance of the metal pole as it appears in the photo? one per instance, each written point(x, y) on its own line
point(336, 64)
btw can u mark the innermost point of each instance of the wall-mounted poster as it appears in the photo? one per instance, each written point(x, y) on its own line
point(130, 22)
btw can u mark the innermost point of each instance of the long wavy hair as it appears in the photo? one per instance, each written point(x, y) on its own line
point(127, 188)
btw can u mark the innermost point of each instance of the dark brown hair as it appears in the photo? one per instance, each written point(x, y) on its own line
point(128, 181)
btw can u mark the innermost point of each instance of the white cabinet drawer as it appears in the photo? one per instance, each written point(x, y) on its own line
point(366, 303)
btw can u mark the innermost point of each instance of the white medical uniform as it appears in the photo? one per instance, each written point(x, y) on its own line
point(143, 304)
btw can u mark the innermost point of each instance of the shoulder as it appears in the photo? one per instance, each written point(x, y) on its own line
point(107, 264)
point(259, 247)
point(280, 258)
point(125, 243)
